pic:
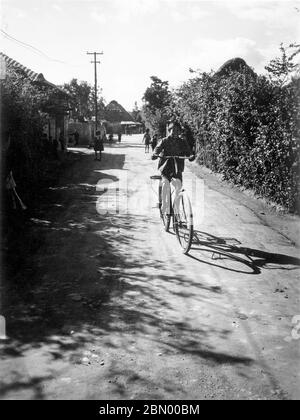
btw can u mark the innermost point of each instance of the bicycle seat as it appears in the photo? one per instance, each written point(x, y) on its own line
point(155, 177)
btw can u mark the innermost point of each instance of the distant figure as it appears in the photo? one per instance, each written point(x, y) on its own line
point(111, 137)
point(98, 146)
point(154, 141)
point(102, 135)
point(147, 140)
point(119, 137)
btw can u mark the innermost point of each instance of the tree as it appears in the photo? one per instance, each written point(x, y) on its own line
point(157, 96)
point(155, 111)
point(281, 68)
point(82, 98)
point(100, 105)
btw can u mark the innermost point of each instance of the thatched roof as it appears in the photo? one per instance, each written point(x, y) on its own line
point(234, 64)
point(114, 112)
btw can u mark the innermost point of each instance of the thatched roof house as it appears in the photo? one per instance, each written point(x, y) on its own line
point(232, 65)
point(115, 113)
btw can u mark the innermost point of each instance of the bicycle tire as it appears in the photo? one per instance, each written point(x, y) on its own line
point(183, 222)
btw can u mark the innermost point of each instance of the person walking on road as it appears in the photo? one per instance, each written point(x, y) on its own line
point(147, 140)
point(102, 135)
point(99, 145)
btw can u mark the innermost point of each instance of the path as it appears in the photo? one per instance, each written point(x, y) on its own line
point(115, 311)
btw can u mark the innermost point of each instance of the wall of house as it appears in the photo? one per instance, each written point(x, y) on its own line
point(85, 130)
point(113, 127)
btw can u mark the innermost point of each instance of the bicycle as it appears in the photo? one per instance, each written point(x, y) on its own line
point(180, 213)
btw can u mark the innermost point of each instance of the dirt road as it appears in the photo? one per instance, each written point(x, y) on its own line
point(107, 307)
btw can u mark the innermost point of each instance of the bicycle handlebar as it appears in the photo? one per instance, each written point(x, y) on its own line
point(177, 157)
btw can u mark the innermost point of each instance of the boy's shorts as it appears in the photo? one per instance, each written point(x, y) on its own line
point(169, 177)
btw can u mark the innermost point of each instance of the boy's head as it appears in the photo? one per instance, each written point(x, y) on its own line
point(174, 128)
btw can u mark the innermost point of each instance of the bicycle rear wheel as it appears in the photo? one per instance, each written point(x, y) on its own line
point(183, 222)
point(166, 218)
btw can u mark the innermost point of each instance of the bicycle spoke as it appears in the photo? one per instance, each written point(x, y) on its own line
point(183, 223)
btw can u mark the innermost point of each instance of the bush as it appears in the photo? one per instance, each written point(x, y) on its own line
point(22, 124)
point(247, 128)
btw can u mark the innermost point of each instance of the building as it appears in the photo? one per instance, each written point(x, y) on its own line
point(57, 105)
point(118, 120)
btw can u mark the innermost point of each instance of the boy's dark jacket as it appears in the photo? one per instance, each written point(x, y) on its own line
point(171, 146)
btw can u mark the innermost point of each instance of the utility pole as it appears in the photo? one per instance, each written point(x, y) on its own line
point(95, 62)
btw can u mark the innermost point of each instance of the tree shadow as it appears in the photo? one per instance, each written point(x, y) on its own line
point(104, 294)
point(34, 385)
point(230, 249)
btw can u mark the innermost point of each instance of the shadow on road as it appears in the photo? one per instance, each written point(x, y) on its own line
point(76, 278)
point(71, 283)
point(230, 249)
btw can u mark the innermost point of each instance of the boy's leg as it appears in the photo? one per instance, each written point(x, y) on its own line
point(177, 184)
point(166, 196)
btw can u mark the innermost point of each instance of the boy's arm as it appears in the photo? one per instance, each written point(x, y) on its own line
point(158, 149)
point(188, 151)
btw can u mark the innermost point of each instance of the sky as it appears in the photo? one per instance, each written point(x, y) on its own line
point(141, 38)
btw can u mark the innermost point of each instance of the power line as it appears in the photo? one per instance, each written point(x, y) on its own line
point(27, 46)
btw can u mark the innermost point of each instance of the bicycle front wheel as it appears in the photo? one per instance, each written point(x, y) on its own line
point(183, 222)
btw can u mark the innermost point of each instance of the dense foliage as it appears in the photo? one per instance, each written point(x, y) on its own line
point(22, 147)
point(82, 100)
point(155, 111)
point(246, 127)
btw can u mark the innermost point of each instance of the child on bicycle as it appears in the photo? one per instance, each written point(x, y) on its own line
point(171, 169)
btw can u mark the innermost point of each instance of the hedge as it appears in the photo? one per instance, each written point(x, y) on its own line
point(246, 127)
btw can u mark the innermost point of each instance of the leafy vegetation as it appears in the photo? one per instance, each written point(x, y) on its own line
point(23, 148)
point(245, 126)
point(155, 111)
point(83, 100)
